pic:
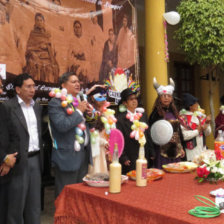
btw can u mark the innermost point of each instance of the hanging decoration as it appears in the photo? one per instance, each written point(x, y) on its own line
point(166, 42)
point(108, 118)
point(79, 136)
point(172, 17)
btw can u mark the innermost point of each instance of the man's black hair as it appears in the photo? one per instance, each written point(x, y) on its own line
point(18, 81)
point(65, 77)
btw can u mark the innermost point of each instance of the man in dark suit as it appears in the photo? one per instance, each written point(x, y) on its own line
point(9, 142)
point(131, 147)
point(25, 185)
point(71, 164)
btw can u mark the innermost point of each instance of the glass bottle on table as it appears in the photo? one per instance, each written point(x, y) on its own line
point(115, 173)
point(141, 168)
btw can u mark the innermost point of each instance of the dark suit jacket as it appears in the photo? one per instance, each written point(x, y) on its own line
point(131, 147)
point(19, 121)
point(63, 132)
point(9, 139)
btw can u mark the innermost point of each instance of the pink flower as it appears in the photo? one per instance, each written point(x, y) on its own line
point(202, 172)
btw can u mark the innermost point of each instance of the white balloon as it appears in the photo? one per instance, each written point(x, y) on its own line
point(77, 146)
point(161, 132)
point(58, 95)
point(64, 91)
point(172, 17)
point(137, 135)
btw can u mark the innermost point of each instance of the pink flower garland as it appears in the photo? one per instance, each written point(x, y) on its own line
point(166, 42)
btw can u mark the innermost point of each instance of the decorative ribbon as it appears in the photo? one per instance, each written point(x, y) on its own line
point(166, 42)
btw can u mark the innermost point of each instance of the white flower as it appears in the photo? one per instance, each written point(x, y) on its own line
point(221, 171)
point(208, 168)
point(206, 160)
point(222, 163)
point(214, 169)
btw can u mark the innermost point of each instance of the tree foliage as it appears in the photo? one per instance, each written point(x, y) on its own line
point(201, 31)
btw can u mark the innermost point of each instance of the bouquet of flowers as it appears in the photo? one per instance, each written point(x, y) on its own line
point(212, 169)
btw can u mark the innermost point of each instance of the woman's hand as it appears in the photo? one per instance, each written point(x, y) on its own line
point(208, 119)
point(127, 163)
point(182, 153)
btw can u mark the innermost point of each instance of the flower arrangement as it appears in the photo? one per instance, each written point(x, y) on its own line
point(212, 169)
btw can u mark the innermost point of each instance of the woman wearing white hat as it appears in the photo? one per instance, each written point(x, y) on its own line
point(164, 108)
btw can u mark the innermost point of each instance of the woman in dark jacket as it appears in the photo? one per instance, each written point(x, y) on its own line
point(164, 108)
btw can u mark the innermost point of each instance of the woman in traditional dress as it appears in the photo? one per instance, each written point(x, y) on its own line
point(195, 127)
point(164, 108)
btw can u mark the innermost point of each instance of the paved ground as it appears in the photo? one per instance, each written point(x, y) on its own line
point(47, 215)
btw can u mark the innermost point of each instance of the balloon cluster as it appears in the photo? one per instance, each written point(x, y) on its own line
point(79, 136)
point(108, 118)
point(70, 103)
point(198, 113)
point(138, 128)
point(93, 135)
point(67, 100)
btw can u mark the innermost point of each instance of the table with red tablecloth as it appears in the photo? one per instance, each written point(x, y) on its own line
point(165, 201)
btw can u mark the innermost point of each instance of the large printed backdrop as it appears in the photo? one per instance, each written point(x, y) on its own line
point(46, 38)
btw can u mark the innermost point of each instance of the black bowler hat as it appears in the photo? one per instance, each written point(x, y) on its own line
point(189, 100)
point(125, 94)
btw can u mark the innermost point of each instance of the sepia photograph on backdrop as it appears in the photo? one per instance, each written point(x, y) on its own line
point(46, 38)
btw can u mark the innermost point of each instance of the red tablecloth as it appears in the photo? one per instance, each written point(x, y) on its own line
point(164, 201)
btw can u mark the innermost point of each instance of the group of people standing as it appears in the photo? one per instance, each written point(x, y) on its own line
point(21, 151)
point(92, 58)
point(188, 126)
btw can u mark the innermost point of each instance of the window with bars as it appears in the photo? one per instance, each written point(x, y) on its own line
point(184, 79)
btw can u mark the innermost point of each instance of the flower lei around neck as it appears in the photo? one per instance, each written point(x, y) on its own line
point(70, 103)
point(138, 128)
